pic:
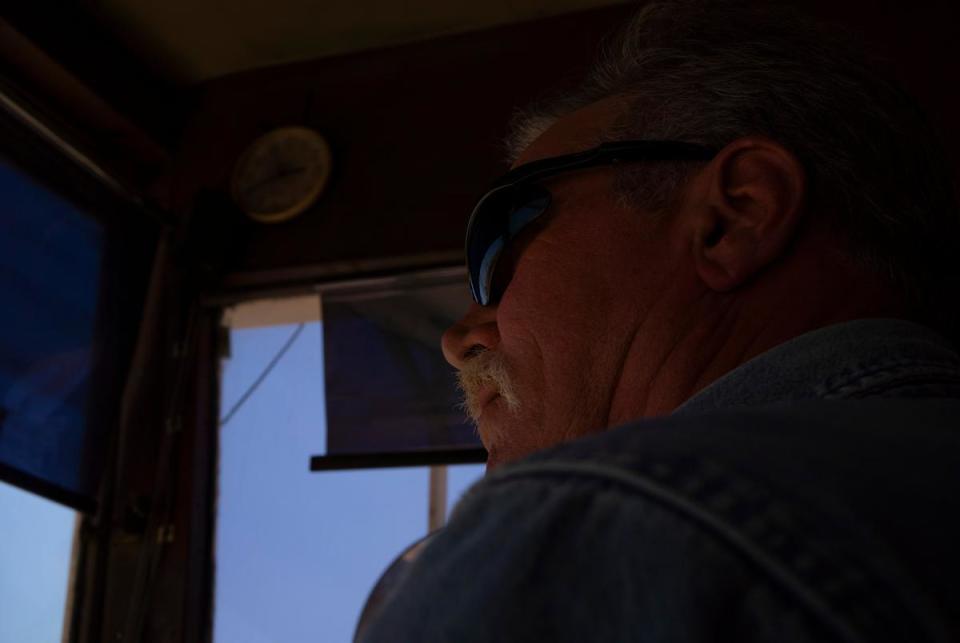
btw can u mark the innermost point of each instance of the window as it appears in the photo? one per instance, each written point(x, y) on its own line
point(50, 264)
point(297, 552)
point(73, 273)
point(75, 257)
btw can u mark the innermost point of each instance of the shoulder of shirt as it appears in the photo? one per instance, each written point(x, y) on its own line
point(769, 486)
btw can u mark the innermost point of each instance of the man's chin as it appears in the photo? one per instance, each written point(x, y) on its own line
point(496, 426)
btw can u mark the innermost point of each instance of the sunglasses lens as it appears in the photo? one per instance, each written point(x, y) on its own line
point(497, 219)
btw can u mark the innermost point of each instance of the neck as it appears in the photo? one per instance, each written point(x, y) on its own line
point(673, 357)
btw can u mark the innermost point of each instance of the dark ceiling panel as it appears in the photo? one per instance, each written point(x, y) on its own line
point(79, 42)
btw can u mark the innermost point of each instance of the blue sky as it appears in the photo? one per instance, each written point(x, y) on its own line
point(35, 547)
point(298, 552)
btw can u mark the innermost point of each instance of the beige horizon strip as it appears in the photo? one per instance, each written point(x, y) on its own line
point(273, 312)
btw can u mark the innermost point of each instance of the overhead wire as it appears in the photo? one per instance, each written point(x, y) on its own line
point(263, 376)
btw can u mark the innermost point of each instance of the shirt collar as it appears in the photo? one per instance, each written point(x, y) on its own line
point(839, 361)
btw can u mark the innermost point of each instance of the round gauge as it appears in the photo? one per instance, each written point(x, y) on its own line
point(281, 174)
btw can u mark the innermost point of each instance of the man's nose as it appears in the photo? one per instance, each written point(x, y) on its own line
point(476, 330)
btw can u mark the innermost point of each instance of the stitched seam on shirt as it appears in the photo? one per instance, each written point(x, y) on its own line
point(853, 380)
point(720, 529)
point(912, 387)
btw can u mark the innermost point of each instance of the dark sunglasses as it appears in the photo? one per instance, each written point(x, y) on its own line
point(517, 199)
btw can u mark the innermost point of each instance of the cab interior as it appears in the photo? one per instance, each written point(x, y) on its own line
point(232, 236)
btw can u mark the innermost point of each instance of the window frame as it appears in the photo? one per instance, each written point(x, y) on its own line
point(48, 159)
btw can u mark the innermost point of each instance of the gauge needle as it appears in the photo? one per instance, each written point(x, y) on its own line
point(275, 177)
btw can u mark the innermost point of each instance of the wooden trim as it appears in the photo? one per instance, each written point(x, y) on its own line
point(52, 95)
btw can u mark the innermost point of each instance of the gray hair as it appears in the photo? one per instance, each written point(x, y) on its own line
point(711, 73)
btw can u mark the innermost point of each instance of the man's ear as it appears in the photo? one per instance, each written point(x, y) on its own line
point(749, 201)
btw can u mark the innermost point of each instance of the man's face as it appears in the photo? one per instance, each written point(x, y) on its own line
point(582, 280)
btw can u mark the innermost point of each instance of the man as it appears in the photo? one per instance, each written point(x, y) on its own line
point(711, 357)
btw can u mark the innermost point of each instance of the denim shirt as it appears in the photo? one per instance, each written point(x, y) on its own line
point(811, 494)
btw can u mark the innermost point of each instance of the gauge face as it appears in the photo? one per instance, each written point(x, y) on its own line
point(281, 174)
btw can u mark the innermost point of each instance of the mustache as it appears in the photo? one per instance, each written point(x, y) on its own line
point(484, 371)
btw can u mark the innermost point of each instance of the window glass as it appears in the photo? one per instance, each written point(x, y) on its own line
point(50, 263)
point(36, 544)
point(74, 263)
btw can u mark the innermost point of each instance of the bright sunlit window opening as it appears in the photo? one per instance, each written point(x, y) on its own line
point(296, 553)
point(36, 554)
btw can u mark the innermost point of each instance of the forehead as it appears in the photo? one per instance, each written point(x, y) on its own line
point(574, 132)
